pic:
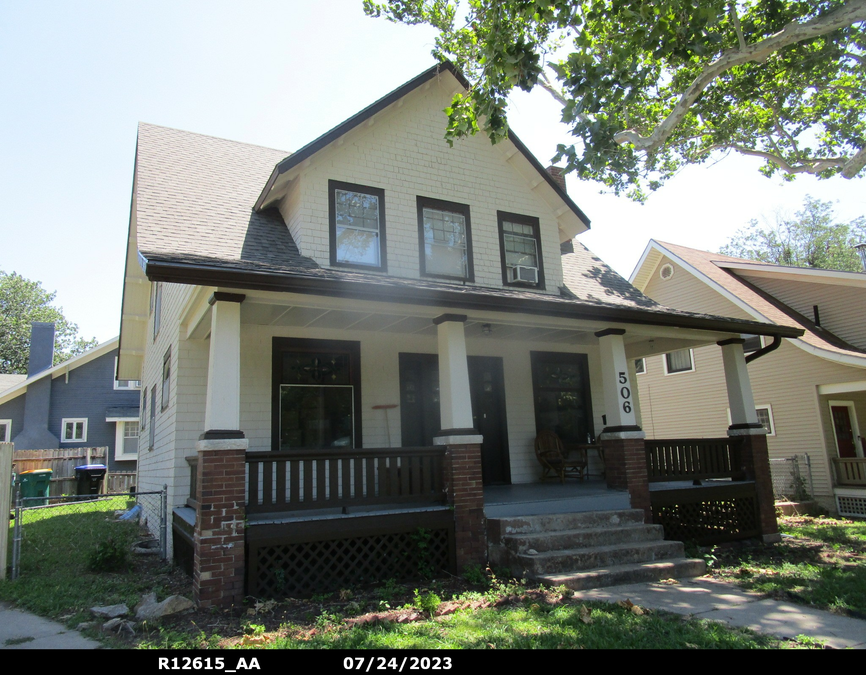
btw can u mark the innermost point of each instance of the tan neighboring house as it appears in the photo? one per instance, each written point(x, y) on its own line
point(810, 394)
point(340, 345)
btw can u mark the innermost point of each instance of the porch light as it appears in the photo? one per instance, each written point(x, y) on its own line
point(487, 329)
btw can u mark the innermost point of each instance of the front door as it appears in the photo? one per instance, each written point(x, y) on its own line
point(419, 408)
point(844, 430)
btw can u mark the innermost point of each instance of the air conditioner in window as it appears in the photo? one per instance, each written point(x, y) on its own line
point(523, 274)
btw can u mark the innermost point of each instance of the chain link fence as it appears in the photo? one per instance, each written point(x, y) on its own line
point(792, 478)
point(148, 510)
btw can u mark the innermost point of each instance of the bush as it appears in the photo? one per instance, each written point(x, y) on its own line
point(110, 555)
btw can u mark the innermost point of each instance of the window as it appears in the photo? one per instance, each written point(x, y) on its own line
point(5, 431)
point(520, 244)
point(126, 440)
point(765, 417)
point(316, 393)
point(157, 308)
point(125, 384)
point(73, 430)
point(639, 366)
point(357, 225)
point(152, 432)
point(445, 239)
point(681, 361)
point(166, 379)
point(752, 343)
point(560, 385)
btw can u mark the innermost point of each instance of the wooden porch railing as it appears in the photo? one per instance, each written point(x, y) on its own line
point(692, 459)
point(320, 479)
point(850, 471)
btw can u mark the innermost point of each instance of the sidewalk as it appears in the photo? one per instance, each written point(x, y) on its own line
point(23, 630)
point(720, 601)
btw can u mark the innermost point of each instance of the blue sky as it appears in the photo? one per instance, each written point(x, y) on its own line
point(76, 78)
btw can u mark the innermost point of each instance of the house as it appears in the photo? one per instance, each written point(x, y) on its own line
point(344, 344)
point(811, 396)
point(75, 404)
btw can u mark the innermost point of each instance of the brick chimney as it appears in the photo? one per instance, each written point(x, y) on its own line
point(37, 401)
point(556, 172)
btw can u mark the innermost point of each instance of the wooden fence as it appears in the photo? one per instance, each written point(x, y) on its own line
point(62, 461)
point(850, 471)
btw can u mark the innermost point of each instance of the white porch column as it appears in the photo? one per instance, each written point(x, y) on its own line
point(743, 415)
point(222, 409)
point(619, 408)
point(455, 403)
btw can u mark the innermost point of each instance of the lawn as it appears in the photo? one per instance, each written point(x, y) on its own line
point(820, 562)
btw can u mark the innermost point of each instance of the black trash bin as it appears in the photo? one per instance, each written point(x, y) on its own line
point(88, 479)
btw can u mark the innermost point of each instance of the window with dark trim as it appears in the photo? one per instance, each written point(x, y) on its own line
point(357, 226)
point(316, 394)
point(520, 248)
point(445, 239)
point(639, 366)
point(560, 387)
point(166, 379)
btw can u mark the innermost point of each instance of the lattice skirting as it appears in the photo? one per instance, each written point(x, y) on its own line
point(299, 565)
point(851, 505)
point(707, 516)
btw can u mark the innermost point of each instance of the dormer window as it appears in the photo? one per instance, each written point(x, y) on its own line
point(445, 239)
point(357, 226)
point(520, 245)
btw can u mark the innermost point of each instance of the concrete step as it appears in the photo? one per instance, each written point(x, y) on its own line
point(633, 573)
point(557, 562)
point(500, 527)
point(582, 538)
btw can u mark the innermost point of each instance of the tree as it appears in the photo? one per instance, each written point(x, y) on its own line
point(21, 302)
point(812, 238)
point(650, 86)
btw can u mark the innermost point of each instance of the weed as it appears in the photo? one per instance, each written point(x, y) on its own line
point(422, 538)
point(110, 555)
point(475, 575)
point(427, 602)
point(390, 590)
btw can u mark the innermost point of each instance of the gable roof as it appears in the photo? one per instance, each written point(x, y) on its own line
point(58, 370)
point(719, 272)
point(334, 134)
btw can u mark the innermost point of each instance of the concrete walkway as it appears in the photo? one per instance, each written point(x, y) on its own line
point(706, 598)
point(23, 630)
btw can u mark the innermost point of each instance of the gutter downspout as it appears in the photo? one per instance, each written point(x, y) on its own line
point(773, 346)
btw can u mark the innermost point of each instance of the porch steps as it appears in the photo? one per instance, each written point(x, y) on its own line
point(587, 550)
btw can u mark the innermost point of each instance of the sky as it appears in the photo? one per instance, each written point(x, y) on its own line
point(76, 78)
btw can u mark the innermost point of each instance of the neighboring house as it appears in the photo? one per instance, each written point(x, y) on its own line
point(810, 395)
point(376, 318)
point(76, 404)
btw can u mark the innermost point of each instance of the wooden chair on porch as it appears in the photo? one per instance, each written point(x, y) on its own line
point(554, 459)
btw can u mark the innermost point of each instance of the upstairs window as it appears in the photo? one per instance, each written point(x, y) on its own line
point(74, 430)
point(681, 361)
point(125, 384)
point(445, 239)
point(357, 225)
point(520, 244)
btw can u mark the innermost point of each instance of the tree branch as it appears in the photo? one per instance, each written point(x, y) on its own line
point(550, 89)
point(852, 12)
point(737, 27)
point(852, 167)
point(812, 166)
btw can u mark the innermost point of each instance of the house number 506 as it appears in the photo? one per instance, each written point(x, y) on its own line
point(625, 393)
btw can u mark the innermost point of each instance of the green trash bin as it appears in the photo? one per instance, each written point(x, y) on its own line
point(35, 483)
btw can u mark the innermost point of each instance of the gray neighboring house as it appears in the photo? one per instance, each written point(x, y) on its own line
point(76, 404)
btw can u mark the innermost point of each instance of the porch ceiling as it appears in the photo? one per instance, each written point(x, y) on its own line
point(317, 312)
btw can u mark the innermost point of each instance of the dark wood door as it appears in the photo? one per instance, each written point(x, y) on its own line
point(844, 431)
point(487, 390)
point(419, 408)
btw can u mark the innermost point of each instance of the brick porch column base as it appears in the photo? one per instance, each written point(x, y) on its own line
point(625, 467)
point(218, 566)
point(465, 492)
point(755, 461)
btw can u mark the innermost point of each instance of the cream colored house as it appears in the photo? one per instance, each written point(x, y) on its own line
point(377, 319)
point(810, 395)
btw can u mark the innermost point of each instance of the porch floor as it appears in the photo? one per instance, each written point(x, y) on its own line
point(533, 499)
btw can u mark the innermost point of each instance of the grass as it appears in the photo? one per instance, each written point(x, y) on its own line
point(820, 562)
point(58, 547)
